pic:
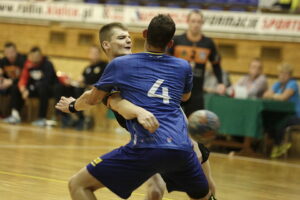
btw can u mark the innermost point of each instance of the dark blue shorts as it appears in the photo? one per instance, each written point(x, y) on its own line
point(125, 169)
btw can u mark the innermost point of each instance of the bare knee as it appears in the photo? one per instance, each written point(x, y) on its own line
point(156, 188)
point(155, 194)
point(73, 185)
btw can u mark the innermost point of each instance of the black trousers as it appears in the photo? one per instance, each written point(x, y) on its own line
point(68, 91)
point(196, 102)
point(41, 91)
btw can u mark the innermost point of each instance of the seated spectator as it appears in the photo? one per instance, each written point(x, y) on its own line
point(211, 82)
point(287, 5)
point(37, 80)
point(255, 82)
point(90, 75)
point(285, 89)
point(10, 69)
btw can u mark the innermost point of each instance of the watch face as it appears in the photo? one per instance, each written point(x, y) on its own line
point(88, 70)
point(97, 70)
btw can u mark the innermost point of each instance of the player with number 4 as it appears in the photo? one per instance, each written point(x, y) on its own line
point(158, 83)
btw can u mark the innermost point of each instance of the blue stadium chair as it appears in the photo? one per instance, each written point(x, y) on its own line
point(253, 3)
point(197, 1)
point(132, 2)
point(238, 2)
point(215, 8)
point(219, 1)
point(113, 2)
point(194, 6)
point(173, 5)
point(240, 9)
point(91, 1)
point(153, 3)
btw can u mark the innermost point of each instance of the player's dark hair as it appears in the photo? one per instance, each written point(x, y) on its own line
point(105, 31)
point(160, 31)
point(195, 11)
point(35, 49)
point(10, 44)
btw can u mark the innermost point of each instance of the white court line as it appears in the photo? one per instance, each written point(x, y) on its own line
point(256, 160)
point(122, 142)
point(61, 132)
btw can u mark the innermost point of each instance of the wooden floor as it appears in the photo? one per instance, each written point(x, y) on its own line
point(35, 164)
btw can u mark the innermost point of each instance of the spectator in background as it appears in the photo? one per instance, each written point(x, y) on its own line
point(94, 70)
point(37, 80)
point(255, 82)
point(10, 69)
point(287, 5)
point(211, 82)
point(285, 89)
point(196, 48)
point(69, 88)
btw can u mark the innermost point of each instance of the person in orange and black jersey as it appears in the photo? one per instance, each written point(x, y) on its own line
point(10, 69)
point(196, 48)
point(37, 80)
point(90, 75)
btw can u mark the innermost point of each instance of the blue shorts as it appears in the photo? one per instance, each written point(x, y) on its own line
point(125, 169)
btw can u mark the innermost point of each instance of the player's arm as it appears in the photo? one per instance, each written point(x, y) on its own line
point(285, 95)
point(202, 155)
point(210, 180)
point(130, 111)
point(85, 101)
point(186, 96)
point(215, 60)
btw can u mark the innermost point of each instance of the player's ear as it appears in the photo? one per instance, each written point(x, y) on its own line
point(170, 44)
point(105, 45)
point(145, 32)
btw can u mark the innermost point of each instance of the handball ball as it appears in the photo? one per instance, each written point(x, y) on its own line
point(203, 125)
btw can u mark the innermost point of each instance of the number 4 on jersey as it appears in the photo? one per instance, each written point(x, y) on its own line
point(165, 91)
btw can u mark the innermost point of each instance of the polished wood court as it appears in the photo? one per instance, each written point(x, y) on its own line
point(35, 164)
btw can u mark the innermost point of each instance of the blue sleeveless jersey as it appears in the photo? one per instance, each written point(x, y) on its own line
point(155, 82)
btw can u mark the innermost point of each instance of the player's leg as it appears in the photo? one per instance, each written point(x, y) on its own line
point(156, 188)
point(189, 177)
point(82, 185)
point(156, 185)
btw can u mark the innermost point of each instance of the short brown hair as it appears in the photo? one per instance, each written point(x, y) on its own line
point(195, 11)
point(285, 67)
point(160, 31)
point(105, 31)
point(10, 44)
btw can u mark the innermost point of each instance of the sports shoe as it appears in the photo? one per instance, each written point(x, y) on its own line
point(39, 122)
point(280, 150)
point(12, 120)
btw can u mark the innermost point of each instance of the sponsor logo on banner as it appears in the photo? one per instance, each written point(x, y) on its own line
point(46, 11)
point(135, 16)
point(279, 25)
point(114, 13)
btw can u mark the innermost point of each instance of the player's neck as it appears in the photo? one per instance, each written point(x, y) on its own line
point(194, 37)
point(152, 49)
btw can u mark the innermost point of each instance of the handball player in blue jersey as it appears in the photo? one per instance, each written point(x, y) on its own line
point(158, 83)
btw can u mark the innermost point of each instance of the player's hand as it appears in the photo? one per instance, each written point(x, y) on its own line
point(5, 83)
point(63, 104)
point(221, 89)
point(25, 94)
point(148, 120)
